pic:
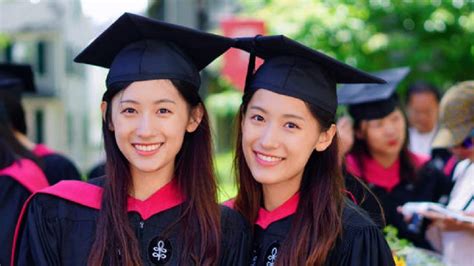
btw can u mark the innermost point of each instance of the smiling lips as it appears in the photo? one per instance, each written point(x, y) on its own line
point(147, 149)
point(267, 160)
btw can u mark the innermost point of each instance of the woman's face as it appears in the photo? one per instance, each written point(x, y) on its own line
point(385, 136)
point(279, 133)
point(149, 120)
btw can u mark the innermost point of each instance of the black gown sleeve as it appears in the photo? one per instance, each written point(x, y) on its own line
point(236, 239)
point(366, 199)
point(12, 197)
point(39, 237)
point(57, 168)
point(362, 243)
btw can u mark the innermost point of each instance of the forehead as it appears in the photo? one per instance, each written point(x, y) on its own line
point(149, 90)
point(424, 97)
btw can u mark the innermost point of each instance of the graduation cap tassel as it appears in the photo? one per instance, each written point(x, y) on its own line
point(250, 70)
point(251, 65)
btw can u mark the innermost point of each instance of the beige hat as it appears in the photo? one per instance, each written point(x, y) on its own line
point(456, 115)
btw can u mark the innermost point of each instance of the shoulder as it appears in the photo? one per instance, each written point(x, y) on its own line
point(58, 159)
point(351, 165)
point(67, 198)
point(229, 214)
point(464, 165)
point(355, 218)
point(419, 160)
point(359, 230)
point(231, 218)
point(98, 181)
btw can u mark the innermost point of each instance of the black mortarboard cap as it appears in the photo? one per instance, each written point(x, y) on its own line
point(16, 78)
point(295, 70)
point(137, 48)
point(373, 101)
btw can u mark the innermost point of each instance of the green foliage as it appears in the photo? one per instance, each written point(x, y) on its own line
point(411, 255)
point(435, 38)
point(223, 104)
point(225, 176)
point(393, 241)
point(4, 41)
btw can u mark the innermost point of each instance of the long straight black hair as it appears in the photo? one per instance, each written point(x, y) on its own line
point(115, 241)
point(318, 220)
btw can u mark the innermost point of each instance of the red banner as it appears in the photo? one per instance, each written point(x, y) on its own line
point(235, 60)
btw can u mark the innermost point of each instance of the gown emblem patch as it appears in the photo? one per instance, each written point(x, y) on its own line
point(271, 254)
point(159, 251)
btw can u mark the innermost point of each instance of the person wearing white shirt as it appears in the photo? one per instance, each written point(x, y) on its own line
point(422, 110)
point(456, 132)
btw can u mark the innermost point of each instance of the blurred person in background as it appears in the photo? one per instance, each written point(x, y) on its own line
point(56, 166)
point(20, 176)
point(454, 238)
point(422, 110)
point(379, 157)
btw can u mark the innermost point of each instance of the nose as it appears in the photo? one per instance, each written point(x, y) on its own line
point(145, 128)
point(269, 138)
point(390, 129)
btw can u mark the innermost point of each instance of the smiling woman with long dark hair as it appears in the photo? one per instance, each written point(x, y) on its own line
point(157, 203)
point(290, 185)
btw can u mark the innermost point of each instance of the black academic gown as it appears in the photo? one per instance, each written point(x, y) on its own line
point(15, 188)
point(61, 232)
point(361, 242)
point(56, 166)
point(432, 185)
point(97, 171)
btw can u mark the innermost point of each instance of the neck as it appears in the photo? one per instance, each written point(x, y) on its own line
point(386, 160)
point(274, 195)
point(28, 144)
point(146, 184)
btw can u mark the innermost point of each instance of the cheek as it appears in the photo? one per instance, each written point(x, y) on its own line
point(249, 134)
point(374, 136)
point(401, 128)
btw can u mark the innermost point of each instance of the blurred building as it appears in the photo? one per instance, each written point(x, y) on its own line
point(47, 35)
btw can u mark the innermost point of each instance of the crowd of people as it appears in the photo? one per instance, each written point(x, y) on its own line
point(313, 189)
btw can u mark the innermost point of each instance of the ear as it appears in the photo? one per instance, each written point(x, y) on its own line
point(325, 138)
point(195, 119)
point(103, 109)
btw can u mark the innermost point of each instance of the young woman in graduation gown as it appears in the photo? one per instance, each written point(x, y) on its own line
point(56, 166)
point(290, 185)
point(157, 204)
point(20, 176)
point(380, 158)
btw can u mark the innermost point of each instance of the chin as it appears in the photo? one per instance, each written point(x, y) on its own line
point(146, 168)
point(264, 179)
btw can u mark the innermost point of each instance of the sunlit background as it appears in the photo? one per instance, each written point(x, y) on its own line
point(434, 38)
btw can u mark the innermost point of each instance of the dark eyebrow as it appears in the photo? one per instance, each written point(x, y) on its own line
point(294, 116)
point(285, 115)
point(258, 108)
point(155, 102)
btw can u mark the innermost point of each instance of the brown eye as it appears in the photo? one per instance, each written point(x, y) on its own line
point(163, 111)
point(291, 125)
point(128, 110)
point(257, 118)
